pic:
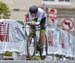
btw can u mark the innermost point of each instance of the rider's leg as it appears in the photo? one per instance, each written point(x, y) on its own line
point(43, 40)
point(42, 35)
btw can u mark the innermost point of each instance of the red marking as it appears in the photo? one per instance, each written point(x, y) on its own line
point(67, 23)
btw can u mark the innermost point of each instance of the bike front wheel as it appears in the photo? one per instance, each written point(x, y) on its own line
point(31, 47)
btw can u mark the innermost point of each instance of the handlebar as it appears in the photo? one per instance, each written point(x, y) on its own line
point(29, 24)
point(32, 23)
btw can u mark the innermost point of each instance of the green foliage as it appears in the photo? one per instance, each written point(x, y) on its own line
point(7, 53)
point(4, 11)
point(33, 58)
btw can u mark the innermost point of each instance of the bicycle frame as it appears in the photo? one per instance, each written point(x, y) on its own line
point(37, 45)
point(32, 35)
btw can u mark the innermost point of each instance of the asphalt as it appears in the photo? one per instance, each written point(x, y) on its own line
point(31, 61)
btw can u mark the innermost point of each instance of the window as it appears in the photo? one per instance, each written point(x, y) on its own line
point(48, 0)
point(57, 3)
point(64, 0)
point(58, 0)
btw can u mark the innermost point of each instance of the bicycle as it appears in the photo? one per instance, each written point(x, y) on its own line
point(34, 43)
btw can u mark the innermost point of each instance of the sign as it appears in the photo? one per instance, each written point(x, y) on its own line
point(68, 24)
point(52, 14)
point(52, 11)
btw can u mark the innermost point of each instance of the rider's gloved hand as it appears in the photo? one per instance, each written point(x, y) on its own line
point(33, 22)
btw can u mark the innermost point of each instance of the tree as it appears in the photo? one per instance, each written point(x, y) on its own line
point(4, 11)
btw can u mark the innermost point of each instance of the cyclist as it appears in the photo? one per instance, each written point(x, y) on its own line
point(40, 15)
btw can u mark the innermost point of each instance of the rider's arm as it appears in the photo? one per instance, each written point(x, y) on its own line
point(26, 17)
point(41, 15)
point(39, 19)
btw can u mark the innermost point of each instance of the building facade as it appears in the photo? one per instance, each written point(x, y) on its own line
point(65, 8)
point(19, 8)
